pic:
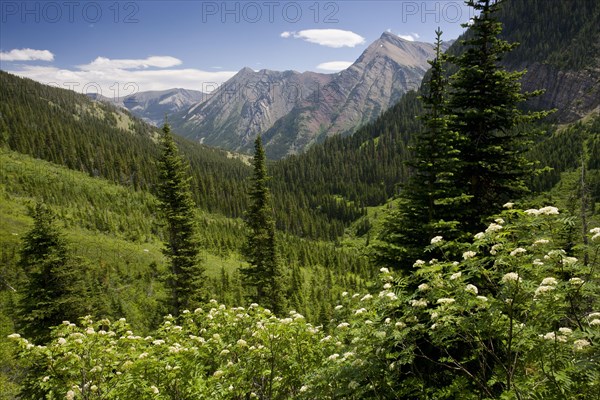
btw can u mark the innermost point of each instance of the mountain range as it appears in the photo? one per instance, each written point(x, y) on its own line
point(153, 106)
point(292, 110)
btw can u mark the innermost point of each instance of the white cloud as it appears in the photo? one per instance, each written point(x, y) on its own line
point(410, 38)
point(103, 63)
point(119, 82)
point(327, 37)
point(26, 55)
point(334, 65)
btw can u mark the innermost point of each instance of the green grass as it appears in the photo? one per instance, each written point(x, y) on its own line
point(117, 230)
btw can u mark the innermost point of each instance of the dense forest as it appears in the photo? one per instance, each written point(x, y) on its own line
point(449, 249)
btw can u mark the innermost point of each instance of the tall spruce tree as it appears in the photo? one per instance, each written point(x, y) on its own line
point(263, 278)
point(55, 289)
point(430, 203)
point(182, 247)
point(486, 103)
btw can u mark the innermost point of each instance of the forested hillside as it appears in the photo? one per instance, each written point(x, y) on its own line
point(572, 42)
point(101, 140)
point(121, 225)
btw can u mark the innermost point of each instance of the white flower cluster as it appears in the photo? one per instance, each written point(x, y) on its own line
point(543, 289)
point(580, 344)
point(596, 232)
point(470, 288)
point(511, 277)
point(517, 251)
point(493, 227)
point(468, 254)
point(495, 248)
point(423, 287)
point(549, 210)
point(366, 297)
point(436, 240)
point(569, 260)
point(554, 337)
point(455, 276)
point(400, 325)
point(419, 303)
point(547, 285)
point(549, 281)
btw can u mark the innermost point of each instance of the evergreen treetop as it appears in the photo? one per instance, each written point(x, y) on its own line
point(430, 203)
point(263, 278)
point(486, 104)
point(182, 246)
point(55, 289)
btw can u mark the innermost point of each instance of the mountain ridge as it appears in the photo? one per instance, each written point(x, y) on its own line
point(294, 110)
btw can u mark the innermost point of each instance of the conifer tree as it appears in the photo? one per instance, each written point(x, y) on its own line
point(263, 278)
point(486, 103)
point(55, 289)
point(182, 247)
point(430, 203)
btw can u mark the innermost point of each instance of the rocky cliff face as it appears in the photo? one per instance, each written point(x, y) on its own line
point(559, 46)
point(573, 93)
point(247, 104)
point(386, 70)
point(294, 110)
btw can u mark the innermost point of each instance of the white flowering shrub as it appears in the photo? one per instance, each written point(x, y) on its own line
point(514, 317)
point(218, 353)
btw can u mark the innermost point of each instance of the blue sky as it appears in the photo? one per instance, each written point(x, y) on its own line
point(153, 45)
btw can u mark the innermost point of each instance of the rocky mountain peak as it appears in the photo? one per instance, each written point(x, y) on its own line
point(293, 110)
